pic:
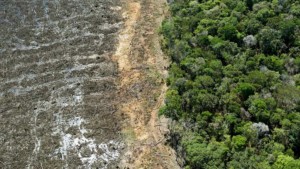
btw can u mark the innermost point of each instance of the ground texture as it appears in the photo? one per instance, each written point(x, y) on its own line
point(142, 67)
point(81, 83)
point(58, 84)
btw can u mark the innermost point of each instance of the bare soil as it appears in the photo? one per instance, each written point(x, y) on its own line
point(58, 84)
point(81, 83)
point(142, 69)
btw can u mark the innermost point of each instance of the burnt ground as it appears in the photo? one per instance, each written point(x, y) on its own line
point(58, 84)
point(81, 83)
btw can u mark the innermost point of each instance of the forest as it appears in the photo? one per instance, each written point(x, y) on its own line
point(234, 83)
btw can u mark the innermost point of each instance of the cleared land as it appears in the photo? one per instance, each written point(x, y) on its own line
point(58, 84)
point(142, 67)
point(81, 83)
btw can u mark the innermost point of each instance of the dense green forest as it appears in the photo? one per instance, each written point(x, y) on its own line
point(234, 83)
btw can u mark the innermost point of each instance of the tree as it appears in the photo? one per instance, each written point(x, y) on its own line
point(286, 162)
point(250, 41)
point(248, 159)
point(258, 108)
point(200, 155)
point(281, 136)
point(205, 82)
point(245, 90)
point(264, 13)
point(239, 142)
point(205, 101)
point(173, 105)
point(287, 97)
point(175, 73)
point(288, 28)
point(274, 63)
point(270, 41)
point(295, 10)
point(204, 118)
point(228, 32)
point(180, 51)
point(257, 78)
point(234, 82)
point(252, 26)
point(193, 66)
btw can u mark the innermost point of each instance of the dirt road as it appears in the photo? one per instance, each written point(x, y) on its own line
point(142, 86)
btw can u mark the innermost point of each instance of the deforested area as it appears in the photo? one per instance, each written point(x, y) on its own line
point(234, 83)
point(58, 84)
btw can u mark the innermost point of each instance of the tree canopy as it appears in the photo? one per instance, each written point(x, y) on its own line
point(234, 82)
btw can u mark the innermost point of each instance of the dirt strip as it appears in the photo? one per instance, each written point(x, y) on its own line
point(142, 67)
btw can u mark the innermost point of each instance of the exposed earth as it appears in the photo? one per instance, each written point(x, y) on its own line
point(81, 83)
point(142, 67)
point(58, 84)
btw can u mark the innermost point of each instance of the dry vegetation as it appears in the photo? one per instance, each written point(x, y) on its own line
point(58, 84)
point(142, 71)
point(72, 92)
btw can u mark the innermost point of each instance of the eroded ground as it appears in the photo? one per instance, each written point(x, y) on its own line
point(58, 84)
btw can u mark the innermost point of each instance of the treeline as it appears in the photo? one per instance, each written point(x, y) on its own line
point(234, 84)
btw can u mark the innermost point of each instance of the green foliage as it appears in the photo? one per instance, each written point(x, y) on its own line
point(258, 108)
point(210, 155)
point(270, 41)
point(245, 90)
point(228, 32)
point(173, 105)
point(286, 162)
point(238, 142)
point(234, 84)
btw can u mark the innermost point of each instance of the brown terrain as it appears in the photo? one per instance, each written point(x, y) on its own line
point(58, 84)
point(142, 66)
point(81, 84)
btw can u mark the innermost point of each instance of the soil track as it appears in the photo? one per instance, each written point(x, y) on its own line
point(142, 71)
